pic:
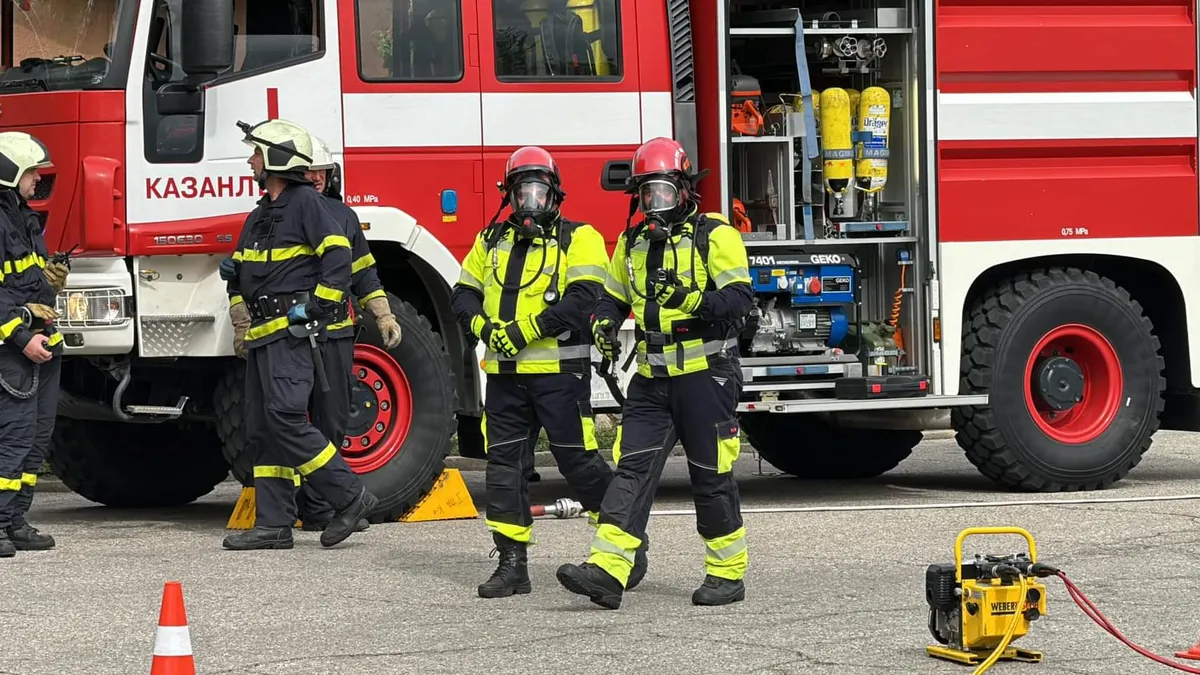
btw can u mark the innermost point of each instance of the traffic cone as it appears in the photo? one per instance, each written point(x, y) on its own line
point(172, 642)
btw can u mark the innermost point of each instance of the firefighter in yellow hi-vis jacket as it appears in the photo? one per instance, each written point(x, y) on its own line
point(527, 290)
point(685, 277)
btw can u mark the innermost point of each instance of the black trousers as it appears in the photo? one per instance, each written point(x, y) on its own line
point(18, 426)
point(330, 414)
point(698, 410)
point(280, 378)
point(516, 404)
point(49, 376)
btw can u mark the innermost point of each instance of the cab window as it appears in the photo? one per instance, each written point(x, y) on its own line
point(268, 35)
point(409, 40)
point(557, 39)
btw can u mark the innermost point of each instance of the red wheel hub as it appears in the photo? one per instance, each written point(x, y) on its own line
point(380, 410)
point(1073, 384)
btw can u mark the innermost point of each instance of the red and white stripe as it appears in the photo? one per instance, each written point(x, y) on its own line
point(1063, 128)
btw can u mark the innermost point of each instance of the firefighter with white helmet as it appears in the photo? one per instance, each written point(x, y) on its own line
point(331, 410)
point(684, 276)
point(291, 269)
point(30, 345)
point(526, 290)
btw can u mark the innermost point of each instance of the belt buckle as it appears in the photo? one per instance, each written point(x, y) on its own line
point(263, 304)
point(657, 339)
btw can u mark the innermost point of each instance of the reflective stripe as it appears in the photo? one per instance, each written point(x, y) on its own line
point(10, 484)
point(235, 300)
point(613, 551)
point(172, 641)
point(734, 275)
point(616, 287)
point(6, 330)
point(54, 339)
point(29, 479)
point(326, 293)
point(521, 533)
point(274, 254)
point(362, 263)
point(20, 265)
point(332, 241)
point(319, 461)
point(345, 323)
point(586, 273)
point(690, 351)
point(269, 328)
point(371, 296)
point(727, 557)
point(469, 280)
point(280, 472)
point(593, 519)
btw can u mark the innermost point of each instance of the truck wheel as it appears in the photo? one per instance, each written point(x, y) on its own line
point(136, 466)
point(402, 412)
point(1074, 377)
point(227, 400)
point(806, 446)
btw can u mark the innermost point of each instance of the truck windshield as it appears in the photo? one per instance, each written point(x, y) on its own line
point(60, 44)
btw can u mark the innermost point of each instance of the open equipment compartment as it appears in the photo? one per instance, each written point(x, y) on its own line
point(823, 132)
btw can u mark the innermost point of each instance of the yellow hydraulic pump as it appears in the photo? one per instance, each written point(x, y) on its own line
point(977, 608)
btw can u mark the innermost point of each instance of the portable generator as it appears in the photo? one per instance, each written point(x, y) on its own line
point(804, 303)
point(977, 608)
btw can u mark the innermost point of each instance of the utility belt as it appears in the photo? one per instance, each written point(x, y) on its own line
point(268, 307)
point(681, 331)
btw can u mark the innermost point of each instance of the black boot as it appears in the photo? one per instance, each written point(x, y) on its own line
point(7, 549)
point(640, 563)
point(590, 580)
point(27, 538)
point(260, 538)
point(717, 591)
point(512, 574)
point(345, 522)
point(312, 525)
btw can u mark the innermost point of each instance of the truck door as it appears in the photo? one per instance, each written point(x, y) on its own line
point(563, 74)
point(189, 185)
point(411, 96)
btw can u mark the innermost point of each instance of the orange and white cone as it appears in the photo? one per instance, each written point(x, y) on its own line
point(172, 641)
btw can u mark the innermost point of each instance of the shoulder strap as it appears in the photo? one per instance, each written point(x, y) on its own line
point(704, 226)
point(566, 228)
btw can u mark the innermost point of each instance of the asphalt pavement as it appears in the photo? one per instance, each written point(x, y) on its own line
point(830, 589)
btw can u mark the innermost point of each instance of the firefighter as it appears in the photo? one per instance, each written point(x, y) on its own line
point(331, 410)
point(291, 268)
point(685, 277)
point(30, 345)
point(526, 289)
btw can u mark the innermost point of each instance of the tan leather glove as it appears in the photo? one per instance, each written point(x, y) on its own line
point(386, 321)
point(56, 274)
point(241, 323)
point(44, 312)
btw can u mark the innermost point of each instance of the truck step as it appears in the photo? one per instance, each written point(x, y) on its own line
point(170, 412)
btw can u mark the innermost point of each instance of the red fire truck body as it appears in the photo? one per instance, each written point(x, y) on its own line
point(1044, 207)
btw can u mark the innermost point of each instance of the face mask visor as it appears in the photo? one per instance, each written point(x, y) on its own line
point(657, 197)
point(530, 197)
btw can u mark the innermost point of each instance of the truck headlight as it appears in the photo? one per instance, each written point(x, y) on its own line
point(91, 307)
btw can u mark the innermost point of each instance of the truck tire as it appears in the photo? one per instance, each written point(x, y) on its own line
point(806, 446)
point(137, 466)
point(1074, 377)
point(227, 400)
point(402, 413)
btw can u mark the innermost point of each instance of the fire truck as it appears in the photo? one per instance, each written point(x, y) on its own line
point(939, 219)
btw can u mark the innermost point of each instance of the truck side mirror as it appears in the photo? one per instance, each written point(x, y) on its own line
point(206, 38)
point(616, 175)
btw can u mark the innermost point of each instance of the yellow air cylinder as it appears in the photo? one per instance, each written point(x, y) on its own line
point(837, 151)
point(855, 98)
point(874, 117)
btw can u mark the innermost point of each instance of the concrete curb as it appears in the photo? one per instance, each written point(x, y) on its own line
point(545, 458)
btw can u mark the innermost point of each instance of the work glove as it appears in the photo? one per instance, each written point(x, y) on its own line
point(482, 329)
point(389, 328)
point(230, 269)
point(676, 296)
point(43, 312)
point(240, 315)
point(56, 274)
point(604, 336)
point(521, 332)
point(500, 343)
